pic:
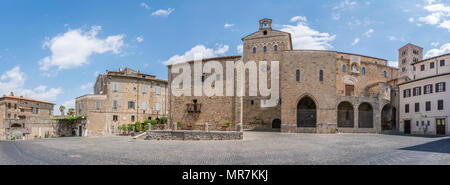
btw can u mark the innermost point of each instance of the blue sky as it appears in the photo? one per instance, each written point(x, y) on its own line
point(53, 49)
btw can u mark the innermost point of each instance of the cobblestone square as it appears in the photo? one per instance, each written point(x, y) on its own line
point(257, 148)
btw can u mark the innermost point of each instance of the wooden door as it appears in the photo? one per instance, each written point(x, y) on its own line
point(440, 126)
point(407, 126)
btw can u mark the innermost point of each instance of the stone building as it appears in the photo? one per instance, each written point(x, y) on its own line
point(25, 118)
point(424, 101)
point(321, 91)
point(122, 97)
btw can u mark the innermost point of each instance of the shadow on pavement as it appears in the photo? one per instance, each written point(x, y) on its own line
point(440, 146)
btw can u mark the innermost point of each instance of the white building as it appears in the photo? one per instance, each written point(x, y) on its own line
point(424, 100)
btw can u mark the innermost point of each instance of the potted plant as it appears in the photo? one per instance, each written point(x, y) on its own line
point(163, 121)
point(179, 125)
point(189, 126)
point(228, 125)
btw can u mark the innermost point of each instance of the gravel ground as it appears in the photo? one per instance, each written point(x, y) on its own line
point(258, 148)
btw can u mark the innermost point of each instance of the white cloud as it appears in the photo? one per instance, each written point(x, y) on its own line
point(393, 63)
point(68, 104)
point(345, 4)
point(356, 41)
point(298, 18)
point(73, 48)
point(228, 25)
point(392, 38)
point(369, 33)
point(438, 14)
point(87, 86)
point(140, 39)
point(411, 19)
point(304, 37)
point(14, 81)
point(240, 49)
point(145, 5)
point(435, 44)
point(335, 16)
point(444, 49)
point(163, 13)
point(199, 50)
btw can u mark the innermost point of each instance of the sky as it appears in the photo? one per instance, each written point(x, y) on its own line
point(53, 50)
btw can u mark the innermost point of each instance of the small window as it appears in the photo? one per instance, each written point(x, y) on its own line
point(403, 69)
point(115, 87)
point(158, 91)
point(133, 118)
point(9, 116)
point(428, 106)
point(115, 104)
point(275, 48)
point(158, 108)
point(15, 106)
point(131, 105)
point(321, 75)
point(344, 68)
point(265, 49)
point(363, 71)
point(252, 102)
point(254, 50)
point(440, 104)
point(417, 91)
point(265, 32)
point(115, 118)
point(97, 105)
point(15, 116)
point(37, 110)
point(417, 107)
point(407, 108)
point(9, 105)
point(407, 93)
point(422, 68)
point(432, 65)
point(440, 87)
point(144, 105)
point(297, 75)
point(428, 89)
point(442, 63)
point(144, 89)
point(414, 68)
point(385, 74)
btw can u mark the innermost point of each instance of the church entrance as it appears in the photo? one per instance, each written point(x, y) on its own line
point(306, 113)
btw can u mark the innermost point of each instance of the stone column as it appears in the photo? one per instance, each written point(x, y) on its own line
point(356, 117)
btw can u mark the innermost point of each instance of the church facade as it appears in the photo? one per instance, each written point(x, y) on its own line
point(320, 91)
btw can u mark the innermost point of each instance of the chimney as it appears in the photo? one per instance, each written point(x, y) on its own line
point(12, 94)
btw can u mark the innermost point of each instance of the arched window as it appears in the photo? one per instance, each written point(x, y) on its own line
point(384, 74)
point(275, 48)
point(363, 71)
point(297, 75)
point(344, 68)
point(321, 75)
point(265, 49)
point(254, 50)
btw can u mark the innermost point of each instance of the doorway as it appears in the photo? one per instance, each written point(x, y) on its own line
point(440, 127)
point(80, 131)
point(407, 126)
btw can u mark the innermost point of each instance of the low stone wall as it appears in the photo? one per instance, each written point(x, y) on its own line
point(193, 135)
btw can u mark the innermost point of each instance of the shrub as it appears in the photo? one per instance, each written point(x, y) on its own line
point(164, 120)
point(138, 126)
point(179, 124)
point(145, 127)
point(130, 127)
point(146, 122)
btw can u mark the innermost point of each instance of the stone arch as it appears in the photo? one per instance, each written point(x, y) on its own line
point(306, 112)
point(365, 115)
point(345, 113)
point(276, 124)
point(16, 125)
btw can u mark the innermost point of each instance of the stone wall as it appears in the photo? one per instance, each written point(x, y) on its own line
point(194, 135)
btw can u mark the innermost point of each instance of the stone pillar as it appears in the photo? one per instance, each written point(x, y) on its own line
point(206, 127)
point(356, 117)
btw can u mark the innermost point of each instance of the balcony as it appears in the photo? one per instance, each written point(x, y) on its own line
point(194, 107)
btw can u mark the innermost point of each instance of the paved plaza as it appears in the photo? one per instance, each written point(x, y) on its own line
point(257, 148)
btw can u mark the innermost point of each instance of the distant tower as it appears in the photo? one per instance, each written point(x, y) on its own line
point(408, 55)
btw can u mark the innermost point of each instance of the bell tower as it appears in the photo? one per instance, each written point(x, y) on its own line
point(265, 24)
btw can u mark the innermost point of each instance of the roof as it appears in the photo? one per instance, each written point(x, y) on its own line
point(210, 59)
point(444, 55)
point(411, 45)
point(25, 99)
point(424, 78)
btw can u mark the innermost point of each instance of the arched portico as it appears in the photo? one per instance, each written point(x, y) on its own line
point(365, 115)
point(306, 112)
point(345, 115)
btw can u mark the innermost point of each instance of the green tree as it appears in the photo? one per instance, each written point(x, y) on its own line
point(164, 120)
point(71, 112)
point(138, 126)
